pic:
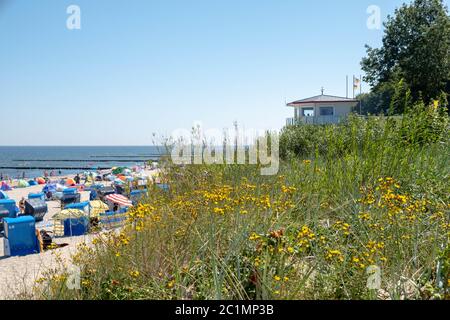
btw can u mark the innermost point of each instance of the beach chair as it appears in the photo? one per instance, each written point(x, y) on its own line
point(9, 205)
point(3, 195)
point(76, 226)
point(70, 222)
point(8, 209)
point(3, 214)
point(112, 220)
point(93, 195)
point(70, 191)
point(70, 198)
point(120, 189)
point(40, 196)
point(83, 206)
point(102, 193)
point(97, 186)
point(137, 195)
point(36, 208)
point(20, 236)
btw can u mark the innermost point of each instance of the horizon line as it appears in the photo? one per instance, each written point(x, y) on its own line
point(1, 146)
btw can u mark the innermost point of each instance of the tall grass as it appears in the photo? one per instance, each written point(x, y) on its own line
point(370, 194)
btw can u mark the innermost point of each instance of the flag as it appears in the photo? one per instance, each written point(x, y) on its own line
point(356, 83)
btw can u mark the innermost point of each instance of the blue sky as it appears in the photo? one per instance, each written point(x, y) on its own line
point(139, 67)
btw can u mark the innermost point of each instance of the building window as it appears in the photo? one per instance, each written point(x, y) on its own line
point(326, 111)
point(308, 112)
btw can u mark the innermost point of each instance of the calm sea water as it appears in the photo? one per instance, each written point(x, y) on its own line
point(67, 160)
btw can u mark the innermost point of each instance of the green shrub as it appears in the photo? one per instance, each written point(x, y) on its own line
point(420, 124)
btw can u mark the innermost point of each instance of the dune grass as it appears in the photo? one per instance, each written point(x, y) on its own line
point(352, 205)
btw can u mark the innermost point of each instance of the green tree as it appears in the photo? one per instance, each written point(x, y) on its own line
point(416, 48)
point(376, 102)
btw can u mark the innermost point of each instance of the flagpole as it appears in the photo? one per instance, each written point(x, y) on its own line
point(353, 86)
point(360, 93)
point(346, 86)
point(360, 84)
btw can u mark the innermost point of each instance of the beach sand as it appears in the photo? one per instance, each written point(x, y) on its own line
point(18, 274)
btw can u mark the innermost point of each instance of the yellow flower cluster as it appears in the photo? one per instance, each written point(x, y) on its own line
point(288, 190)
point(305, 237)
point(334, 255)
point(343, 227)
point(397, 205)
point(373, 253)
point(244, 198)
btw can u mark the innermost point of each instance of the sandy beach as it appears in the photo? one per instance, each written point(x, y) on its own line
point(18, 274)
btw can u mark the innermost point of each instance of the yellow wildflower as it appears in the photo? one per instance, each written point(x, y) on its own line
point(134, 274)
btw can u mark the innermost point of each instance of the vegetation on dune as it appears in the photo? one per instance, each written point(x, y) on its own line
point(421, 124)
point(366, 198)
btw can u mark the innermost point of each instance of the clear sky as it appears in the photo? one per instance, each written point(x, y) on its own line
point(139, 67)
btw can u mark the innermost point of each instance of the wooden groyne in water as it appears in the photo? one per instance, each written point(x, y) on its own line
point(83, 160)
point(53, 168)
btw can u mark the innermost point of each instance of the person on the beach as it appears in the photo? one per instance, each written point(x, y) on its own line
point(45, 174)
point(116, 207)
point(1, 176)
point(22, 205)
point(23, 175)
point(77, 179)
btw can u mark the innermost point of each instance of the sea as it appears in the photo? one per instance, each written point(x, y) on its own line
point(31, 162)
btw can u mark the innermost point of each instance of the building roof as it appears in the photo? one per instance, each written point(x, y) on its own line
point(323, 98)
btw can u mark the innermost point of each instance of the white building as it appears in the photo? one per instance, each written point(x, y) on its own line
point(321, 109)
